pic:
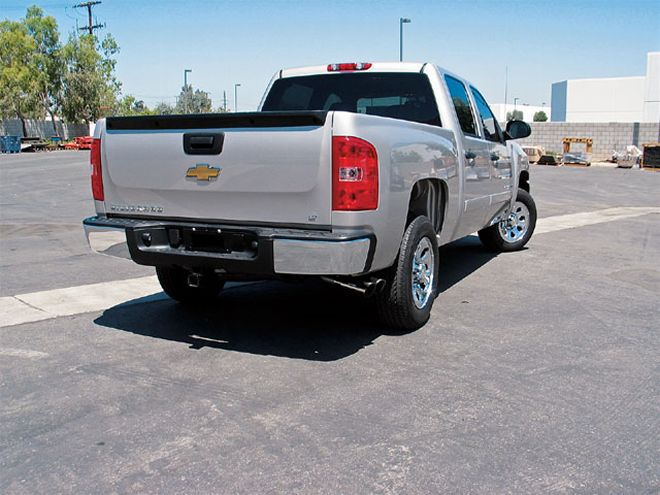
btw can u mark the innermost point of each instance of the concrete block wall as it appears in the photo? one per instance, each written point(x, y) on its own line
point(607, 136)
point(42, 128)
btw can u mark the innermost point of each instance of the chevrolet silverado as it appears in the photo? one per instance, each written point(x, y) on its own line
point(353, 172)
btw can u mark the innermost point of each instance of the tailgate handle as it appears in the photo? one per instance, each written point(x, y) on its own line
point(203, 143)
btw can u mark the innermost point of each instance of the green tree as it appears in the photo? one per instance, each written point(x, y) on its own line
point(196, 101)
point(164, 109)
point(39, 76)
point(540, 116)
point(90, 85)
point(46, 59)
point(515, 115)
point(18, 77)
point(129, 105)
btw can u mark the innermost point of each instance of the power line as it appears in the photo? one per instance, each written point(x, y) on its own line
point(91, 26)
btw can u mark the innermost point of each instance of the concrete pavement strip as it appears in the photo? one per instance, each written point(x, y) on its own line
point(36, 306)
point(573, 220)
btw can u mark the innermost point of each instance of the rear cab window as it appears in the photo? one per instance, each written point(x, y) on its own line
point(405, 96)
point(459, 98)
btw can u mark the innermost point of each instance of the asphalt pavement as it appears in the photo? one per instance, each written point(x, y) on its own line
point(538, 372)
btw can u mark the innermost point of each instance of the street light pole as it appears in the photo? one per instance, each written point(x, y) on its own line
point(402, 21)
point(236, 96)
point(185, 87)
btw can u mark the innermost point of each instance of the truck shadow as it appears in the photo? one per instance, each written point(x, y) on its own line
point(311, 320)
point(460, 259)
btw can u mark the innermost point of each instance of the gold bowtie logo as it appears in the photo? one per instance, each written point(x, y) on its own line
point(202, 171)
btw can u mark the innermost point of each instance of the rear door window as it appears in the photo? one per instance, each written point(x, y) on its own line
point(459, 98)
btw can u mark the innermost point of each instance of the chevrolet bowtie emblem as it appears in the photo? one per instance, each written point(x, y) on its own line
point(203, 172)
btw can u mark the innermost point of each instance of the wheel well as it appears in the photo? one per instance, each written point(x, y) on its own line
point(523, 182)
point(428, 198)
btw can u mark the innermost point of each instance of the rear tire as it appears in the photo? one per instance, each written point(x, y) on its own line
point(174, 281)
point(405, 303)
point(512, 233)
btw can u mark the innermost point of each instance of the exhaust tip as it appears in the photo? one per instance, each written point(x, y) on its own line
point(374, 286)
point(367, 288)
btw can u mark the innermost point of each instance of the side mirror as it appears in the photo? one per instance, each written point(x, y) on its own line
point(517, 129)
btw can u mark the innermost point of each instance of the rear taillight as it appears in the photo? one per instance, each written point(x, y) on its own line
point(97, 177)
point(354, 174)
point(349, 66)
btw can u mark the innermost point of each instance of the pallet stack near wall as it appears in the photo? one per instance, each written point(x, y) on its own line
point(607, 137)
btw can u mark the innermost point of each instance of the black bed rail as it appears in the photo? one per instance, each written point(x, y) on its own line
point(217, 121)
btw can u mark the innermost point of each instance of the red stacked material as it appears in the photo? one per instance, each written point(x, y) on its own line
point(84, 142)
point(79, 143)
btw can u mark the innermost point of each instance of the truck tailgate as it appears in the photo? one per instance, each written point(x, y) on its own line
point(272, 169)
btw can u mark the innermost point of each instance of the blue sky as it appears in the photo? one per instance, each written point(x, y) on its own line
point(227, 42)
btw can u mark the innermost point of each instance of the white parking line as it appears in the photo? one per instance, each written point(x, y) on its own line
point(573, 220)
point(14, 311)
point(36, 306)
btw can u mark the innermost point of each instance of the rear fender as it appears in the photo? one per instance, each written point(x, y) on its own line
point(407, 153)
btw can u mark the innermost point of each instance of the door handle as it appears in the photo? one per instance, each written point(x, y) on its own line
point(470, 155)
point(494, 157)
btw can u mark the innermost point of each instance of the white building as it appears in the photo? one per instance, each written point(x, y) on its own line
point(501, 110)
point(612, 99)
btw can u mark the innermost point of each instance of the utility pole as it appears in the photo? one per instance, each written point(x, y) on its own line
point(224, 101)
point(91, 26)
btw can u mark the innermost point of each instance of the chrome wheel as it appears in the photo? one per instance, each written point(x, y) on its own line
point(423, 273)
point(514, 227)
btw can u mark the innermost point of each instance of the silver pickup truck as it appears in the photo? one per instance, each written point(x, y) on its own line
point(354, 173)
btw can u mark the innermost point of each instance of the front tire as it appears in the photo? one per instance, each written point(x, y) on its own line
point(513, 232)
point(174, 281)
point(405, 303)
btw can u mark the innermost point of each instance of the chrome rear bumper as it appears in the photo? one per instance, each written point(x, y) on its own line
point(279, 251)
point(110, 241)
point(313, 257)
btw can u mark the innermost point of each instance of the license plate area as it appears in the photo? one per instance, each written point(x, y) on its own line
point(212, 240)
